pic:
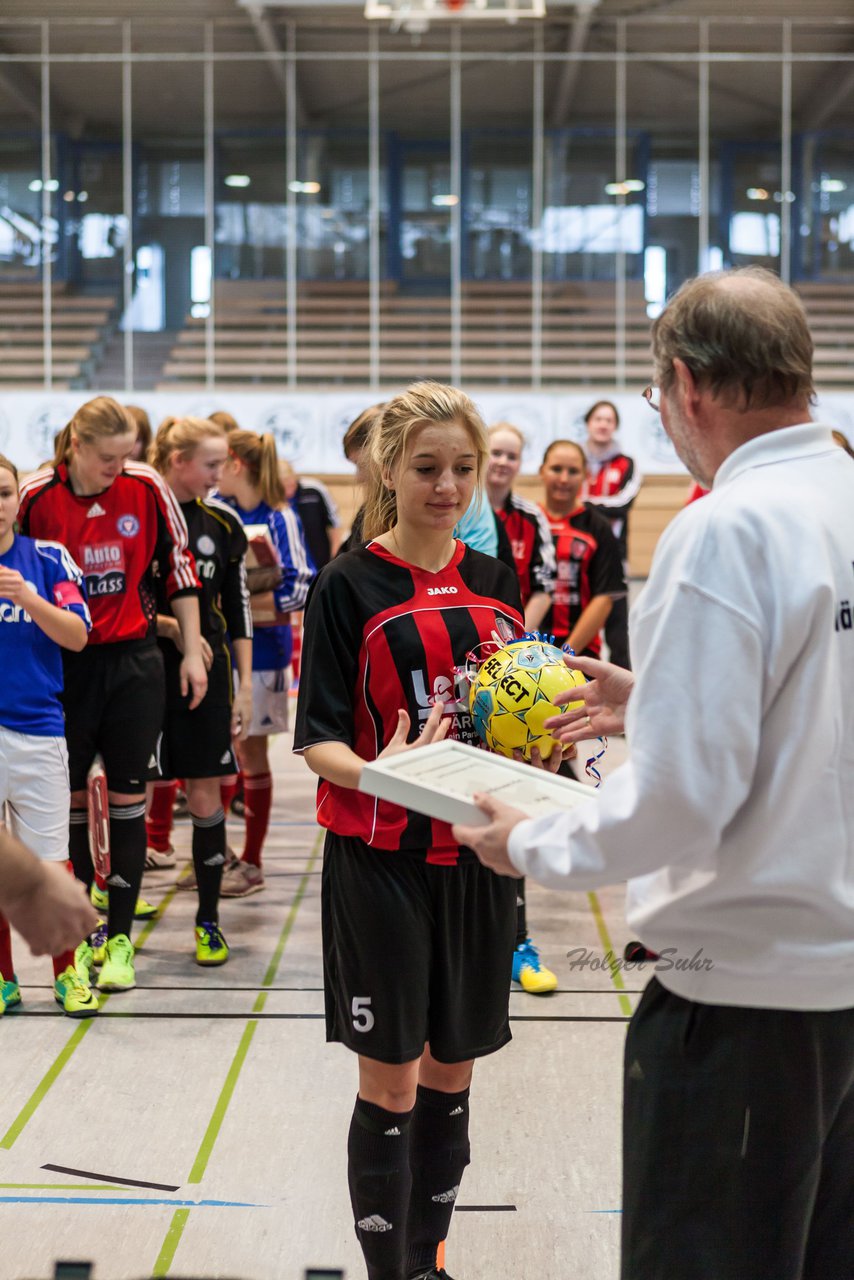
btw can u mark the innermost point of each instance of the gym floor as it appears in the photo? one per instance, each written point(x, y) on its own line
point(197, 1126)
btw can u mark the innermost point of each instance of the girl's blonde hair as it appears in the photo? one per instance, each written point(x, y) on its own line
point(259, 457)
point(225, 420)
point(180, 435)
point(421, 404)
point(6, 465)
point(508, 426)
point(94, 420)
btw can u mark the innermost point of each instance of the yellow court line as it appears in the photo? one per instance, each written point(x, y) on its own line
point(608, 947)
point(181, 1216)
point(37, 1097)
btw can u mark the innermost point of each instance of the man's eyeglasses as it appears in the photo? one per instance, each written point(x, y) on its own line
point(651, 396)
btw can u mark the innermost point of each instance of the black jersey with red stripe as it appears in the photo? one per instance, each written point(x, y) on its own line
point(115, 536)
point(588, 565)
point(381, 634)
point(531, 543)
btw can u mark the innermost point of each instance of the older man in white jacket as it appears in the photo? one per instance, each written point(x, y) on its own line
point(733, 818)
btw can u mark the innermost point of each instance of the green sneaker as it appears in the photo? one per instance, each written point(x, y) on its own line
point(98, 943)
point(74, 994)
point(84, 960)
point(100, 898)
point(211, 946)
point(10, 993)
point(117, 970)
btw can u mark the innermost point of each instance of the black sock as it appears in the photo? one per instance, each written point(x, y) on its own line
point(209, 860)
point(521, 919)
point(127, 861)
point(78, 847)
point(438, 1153)
point(380, 1183)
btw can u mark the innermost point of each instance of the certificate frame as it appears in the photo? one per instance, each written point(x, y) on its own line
point(439, 780)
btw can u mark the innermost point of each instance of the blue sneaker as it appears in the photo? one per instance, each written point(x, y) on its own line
point(10, 993)
point(531, 975)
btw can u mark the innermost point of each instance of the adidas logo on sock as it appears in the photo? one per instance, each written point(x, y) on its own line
point(373, 1223)
point(457, 1111)
point(216, 861)
point(392, 1133)
point(446, 1197)
point(95, 510)
point(117, 882)
point(226, 758)
point(636, 1071)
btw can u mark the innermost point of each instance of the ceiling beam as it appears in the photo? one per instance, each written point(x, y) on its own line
point(268, 39)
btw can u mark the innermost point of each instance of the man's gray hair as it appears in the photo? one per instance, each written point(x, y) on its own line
point(742, 333)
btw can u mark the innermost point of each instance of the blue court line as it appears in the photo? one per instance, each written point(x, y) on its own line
point(101, 1200)
point(604, 1211)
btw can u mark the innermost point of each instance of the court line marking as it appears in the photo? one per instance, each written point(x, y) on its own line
point(37, 1097)
point(104, 1177)
point(53, 1186)
point(153, 1015)
point(181, 1216)
point(608, 946)
point(159, 1202)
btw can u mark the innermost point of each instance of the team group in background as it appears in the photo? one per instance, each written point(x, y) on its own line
point(125, 600)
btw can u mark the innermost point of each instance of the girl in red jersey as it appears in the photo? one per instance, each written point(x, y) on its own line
point(42, 611)
point(417, 942)
point(589, 569)
point(117, 518)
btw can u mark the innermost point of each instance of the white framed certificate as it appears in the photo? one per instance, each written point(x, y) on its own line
point(440, 780)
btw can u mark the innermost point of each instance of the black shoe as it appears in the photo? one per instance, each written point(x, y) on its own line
point(238, 807)
point(435, 1273)
point(636, 953)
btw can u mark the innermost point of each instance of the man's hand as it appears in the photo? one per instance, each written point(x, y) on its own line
point(490, 842)
point(241, 713)
point(54, 914)
point(435, 729)
point(603, 701)
point(193, 677)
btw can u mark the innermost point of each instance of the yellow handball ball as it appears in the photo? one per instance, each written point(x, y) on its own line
point(512, 695)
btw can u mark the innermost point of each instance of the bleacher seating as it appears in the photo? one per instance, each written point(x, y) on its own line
point(79, 328)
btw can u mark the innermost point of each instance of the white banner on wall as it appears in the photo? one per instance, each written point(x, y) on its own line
point(308, 426)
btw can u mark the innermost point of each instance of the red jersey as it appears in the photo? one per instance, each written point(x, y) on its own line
point(588, 565)
point(531, 543)
point(381, 634)
point(115, 536)
point(612, 486)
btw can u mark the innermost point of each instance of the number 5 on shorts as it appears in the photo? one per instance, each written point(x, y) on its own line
point(363, 1018)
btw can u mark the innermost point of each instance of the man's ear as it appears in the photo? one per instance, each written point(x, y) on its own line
point(686, 385)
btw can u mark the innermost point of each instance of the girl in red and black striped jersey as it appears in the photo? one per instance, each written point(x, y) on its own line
point(116, 517)
point(589, 569)
point(613, 483)
point(534, 558)
point(417, 944)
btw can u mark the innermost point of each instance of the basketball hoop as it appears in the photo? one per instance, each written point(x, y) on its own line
point(415, 16)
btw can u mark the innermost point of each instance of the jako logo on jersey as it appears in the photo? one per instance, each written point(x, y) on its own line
point(442, 591)
point(443, 691)
point(127, 526)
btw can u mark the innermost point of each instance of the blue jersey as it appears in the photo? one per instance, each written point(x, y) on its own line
point(272, 646)
point(32, 663)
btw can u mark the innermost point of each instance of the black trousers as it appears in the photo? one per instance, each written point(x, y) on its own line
point(617, 634)
point(738, 1143)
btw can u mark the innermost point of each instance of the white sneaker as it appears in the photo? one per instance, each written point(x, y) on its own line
point(157, 861)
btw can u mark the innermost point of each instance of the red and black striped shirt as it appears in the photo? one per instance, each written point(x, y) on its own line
point(115, 536)
point(381, 634)
point(531, 543)
point(588, 565)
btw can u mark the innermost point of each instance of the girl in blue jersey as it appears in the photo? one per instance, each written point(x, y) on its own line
point(250, 483)
point(42, 610)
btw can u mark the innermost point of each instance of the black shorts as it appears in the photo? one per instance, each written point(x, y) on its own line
point(113, 698)
point(198, 744)
point(415, 954)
